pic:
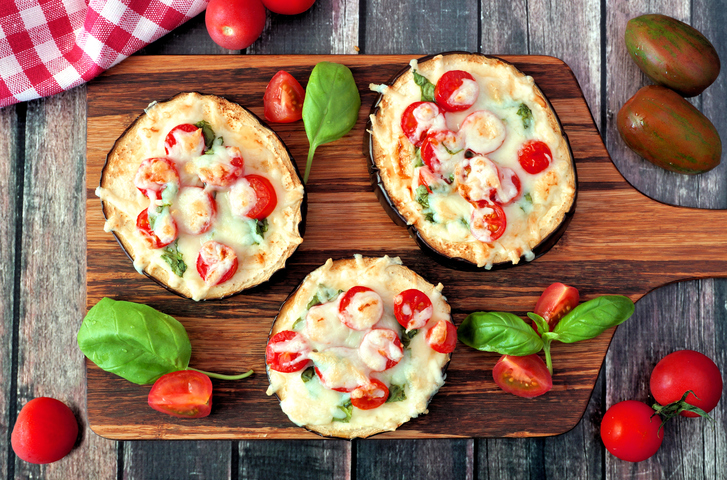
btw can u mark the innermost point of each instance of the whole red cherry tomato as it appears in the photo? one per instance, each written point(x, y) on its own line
point(183, 394)
point(557, 300)
point(686, 370)
point(370, 396)
point(456, 90)
point(288, 7)
point(629, 431)
point(442, 337)
point(283, 99)
point(534, 156)
point(522, 376)
point(287, 351)
point(45, 431)
point(235, 24)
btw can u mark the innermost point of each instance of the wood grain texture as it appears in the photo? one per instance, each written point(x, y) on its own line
point(432, 459)
point(303, 460)
point(177, 460)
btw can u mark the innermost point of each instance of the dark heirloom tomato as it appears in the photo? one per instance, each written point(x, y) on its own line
point(370, 396)
point(45, 431)
point(267, 200)
point(287, 351)
point(442, 337)
point(171, 140)
point(686, 370)
point(534, 156)
point(412, 309)
point(283, 99)
point(142, 224)
point(216, 263)
point(555, 302)
point(522, 376)
point(488, 221)
point(629, 431)
point(183, 394)
point(418, 119)
point(451, 82)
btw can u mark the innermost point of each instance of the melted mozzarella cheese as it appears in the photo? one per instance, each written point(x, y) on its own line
point(323, 328)
point(340, 368)
point(194, 210)
point(428, 119)
point(220, 259)
point(466, 94)
point(242, 198)
point(482, 132)
point(363, 311)
point(162, 224)
point(188, 145)
point(378, 347)
point(477, 179)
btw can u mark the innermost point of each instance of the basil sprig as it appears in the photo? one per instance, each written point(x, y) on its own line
point(526, 115)
point(137, 342)
point(175, 259)
point(508, 334)
point(426, 86)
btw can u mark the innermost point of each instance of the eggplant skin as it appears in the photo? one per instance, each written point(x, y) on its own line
point(672, 53)
point(658, 124)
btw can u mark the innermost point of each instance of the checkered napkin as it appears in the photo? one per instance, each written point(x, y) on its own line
point(47, 46)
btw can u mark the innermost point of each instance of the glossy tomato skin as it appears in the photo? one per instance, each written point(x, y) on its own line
point(555, 302)
point(183, 394)
point(449, 83)
point(283, 99)
point(287, 360)
point(488, 221)
point(412, 309)
point(288, 7)
point(534, 156)
point(267, 199)
point(686, 370)
point(235, 24)
point(522, 376)
point(45, 431)
point(442, 337)
point(370, 396)
point(629, 431)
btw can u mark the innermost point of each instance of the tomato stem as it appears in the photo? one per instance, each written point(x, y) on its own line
point(223, 377)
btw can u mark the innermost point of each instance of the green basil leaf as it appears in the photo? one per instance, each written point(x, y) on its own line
point(418, 162)
point(426, 86)
point(500, 332)
point(347, 409)
point(539, 322)
point(407, 336)
point(298, 323)
point(209, 134)
point(422, 196)
point(323, 295)
point(134, 341)
point(526, 115)
point(330, 108)
point(590, 319)
point(396, 393)
point(308, 374)
point(175, 259)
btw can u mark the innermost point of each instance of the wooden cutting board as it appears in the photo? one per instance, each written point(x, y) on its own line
point(619, 242)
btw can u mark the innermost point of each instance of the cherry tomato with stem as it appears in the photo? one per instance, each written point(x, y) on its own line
point(368, 397)
point(45, 431)
point(456, 90)
point(630, 431)
point(522, 376)
point(216, 263)
point(288, 7)
point(287, 351)
point(555, 302)
point(183, 394)
point(412, 309)
point(442, 337)
point(283, 99)
point(534, 156)
point(235, 24)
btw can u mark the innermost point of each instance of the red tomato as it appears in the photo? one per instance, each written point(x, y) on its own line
point(442, 337)
point(555, 302)
point(235, 24)
point(488, 221)
point(412, 309)
point(142, 224)
point(686, 370)
point(450, 94)
point(196, 148)
point(283, 99)
point(222, 169)
point(522, 376)
point(154, 174)
point(266, 197)
point(360, 308)
point(183, 394)
point(510, 187)
point(45, 431)
point(427, 178)
point(216, 263)
point(381, 349)
point(438, 147)
point(629, 432)
point(534, 156)
point(287, 351)
point(288, 7)
point(370, 396)
point(419, 118)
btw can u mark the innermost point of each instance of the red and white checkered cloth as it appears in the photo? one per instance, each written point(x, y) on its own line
point(47, 46)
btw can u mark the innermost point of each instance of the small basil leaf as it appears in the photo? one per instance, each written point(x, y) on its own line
point(209, 134)
point(539, 322)
point(396, 393)
point(298, 323)
point(418, 162)
point(422, 196)
point(347, 409)
point(426, 86)
point(590, 319)
point(526, 115)
point(134, 341)
point(175, 259)
point(500, 332)
point(407, 336)
point(308, 374)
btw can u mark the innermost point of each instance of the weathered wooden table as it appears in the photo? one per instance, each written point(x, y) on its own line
point(43, 256)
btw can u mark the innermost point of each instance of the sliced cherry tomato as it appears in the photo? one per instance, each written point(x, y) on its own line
point(555, 302)
point(419, 118)
point(154, 174)
point(412, 309)
point(235, 24)
point(442, 337)
point(183, 394)
point(288, 7)
point(381, 349)
point(340, 368)
point(456, 90)
point(188, 144)
point(534, 156)
point(427, 178)
point(478, 179)
point(630, 431)
point(216, 263)
point(440, 146)
point(370, 396)
point(522, 376)
point(168, 231)
point(287, 351)
point(283, 99)
point(488, 221)
point(510, 187)
point(685, 370)
point(222, 167)
point(253, 197)
point(45, 431)
point(482, 132)
point(195, 210)
point(360, 308)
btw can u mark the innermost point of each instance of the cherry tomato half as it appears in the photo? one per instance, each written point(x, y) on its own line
point(522, 376)
point(488, 221)
point(45, 431)
point(419, 118)
point(439, 147)
point(183, 394)
point(360, 308)
point(510, 187)
point(235, 24)
point(216, 263)
point(283, 99)
point(686, 370)
point(442, 337)
point(370, 396)
point(412, 309)
point(629, 431)
point(555, 302)
point(287, 351)
point(266, 199)
point(456, 90)
point(154, 174)
point(168, 231)
point(288, 7)
point(381, 349)
point(193, 144)
point(534, 156)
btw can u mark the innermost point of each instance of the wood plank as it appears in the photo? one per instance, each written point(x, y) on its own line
point(431, 459)
point(304, 460)
point(52, 277)
point(190, 459)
